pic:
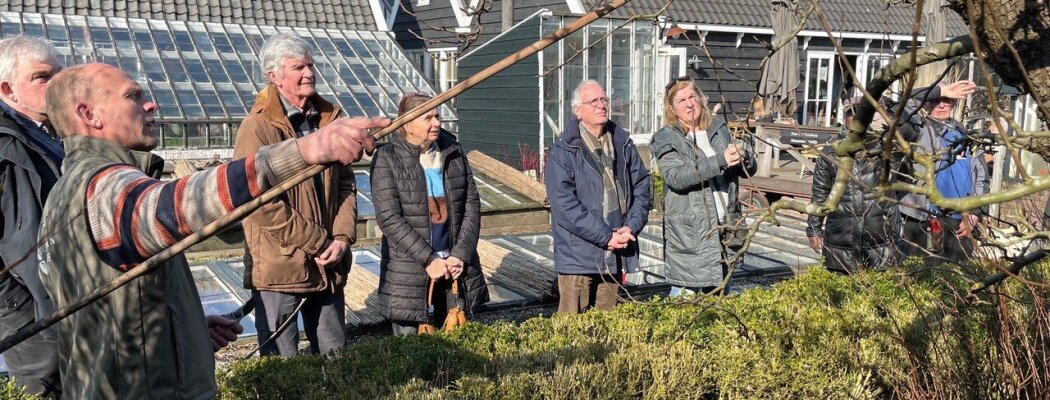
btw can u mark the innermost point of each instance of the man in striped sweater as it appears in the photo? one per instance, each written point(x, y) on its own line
point(108, 212)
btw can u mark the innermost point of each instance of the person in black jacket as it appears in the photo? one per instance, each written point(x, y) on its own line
point(862, 231)
point(428, 209)
point(30, 162)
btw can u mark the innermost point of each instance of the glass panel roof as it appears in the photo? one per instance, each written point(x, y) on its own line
point(188, 67)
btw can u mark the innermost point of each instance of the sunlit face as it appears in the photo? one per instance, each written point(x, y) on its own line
point(687, 105)
point(27, 92)
point(594, 106)
point(423, 130)
point(124, 113)
point(295, 80)
point(941, 109)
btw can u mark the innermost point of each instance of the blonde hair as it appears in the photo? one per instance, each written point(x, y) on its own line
point(671, 119)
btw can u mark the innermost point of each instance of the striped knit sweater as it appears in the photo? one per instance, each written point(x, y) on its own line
point(133, 216)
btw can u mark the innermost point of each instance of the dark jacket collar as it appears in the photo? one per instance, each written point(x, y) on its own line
point(81, 147)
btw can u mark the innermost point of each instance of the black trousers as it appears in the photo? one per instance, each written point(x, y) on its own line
point(34, 362)
point(921, 241)
point(324, 321)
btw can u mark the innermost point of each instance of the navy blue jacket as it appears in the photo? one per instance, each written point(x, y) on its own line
point(26, 178)
point(575, 191)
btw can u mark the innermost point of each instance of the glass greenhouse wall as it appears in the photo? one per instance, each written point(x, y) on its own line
point(618, 54)
point(204, 76)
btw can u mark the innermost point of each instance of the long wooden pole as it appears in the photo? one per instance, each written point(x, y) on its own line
point(240, 212)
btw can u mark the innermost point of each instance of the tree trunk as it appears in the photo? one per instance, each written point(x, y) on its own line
point(1026, 25)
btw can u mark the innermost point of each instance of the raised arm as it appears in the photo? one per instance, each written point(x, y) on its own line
point(133, 216)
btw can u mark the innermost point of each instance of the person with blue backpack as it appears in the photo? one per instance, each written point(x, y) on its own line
point(960, 172)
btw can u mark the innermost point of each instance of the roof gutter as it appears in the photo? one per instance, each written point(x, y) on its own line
point(811, 33)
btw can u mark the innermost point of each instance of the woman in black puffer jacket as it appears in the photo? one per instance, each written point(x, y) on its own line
point(428, 208)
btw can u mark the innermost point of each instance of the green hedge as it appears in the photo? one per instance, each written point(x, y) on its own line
point(875, 335)
point(907, 333)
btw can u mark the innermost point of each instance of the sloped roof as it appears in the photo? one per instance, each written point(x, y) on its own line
point(860, 16)
point(334, 14)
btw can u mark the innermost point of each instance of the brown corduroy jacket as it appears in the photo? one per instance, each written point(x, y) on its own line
point(282, 237)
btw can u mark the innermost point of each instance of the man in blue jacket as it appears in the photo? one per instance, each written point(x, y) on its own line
point(598, 189)
point(30, 160)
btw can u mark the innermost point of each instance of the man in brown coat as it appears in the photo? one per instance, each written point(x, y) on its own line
point(297, 247)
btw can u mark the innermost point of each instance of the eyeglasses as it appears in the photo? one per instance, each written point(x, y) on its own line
point(943, 100)
point(676, 80)
point(596, 101)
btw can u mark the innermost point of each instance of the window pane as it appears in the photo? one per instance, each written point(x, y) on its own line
point(215, 70)
point(78, 35)
point(195, 135)
point(10, 24)
point(596, 53)
point(189, 102)
point(236, 70)
point(218, 37)
point(210, 101)
point(181, 36)
point(122, 36)
point(239, 41)
point(165, 99)
point(33, 25)
point(175, 70)
point(619, 90)
point(232, 100)
point(56, 30)
point(196, 70)
point(131, 65)
point(201, 37)
point(218, 135)
point(99, 33)
point(162, 35)
point(174, 135)
point(141, 33)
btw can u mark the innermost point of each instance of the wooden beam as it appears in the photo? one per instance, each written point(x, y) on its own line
point(511, 177)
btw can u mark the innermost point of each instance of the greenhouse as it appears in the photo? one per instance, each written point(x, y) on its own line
point(204, 76)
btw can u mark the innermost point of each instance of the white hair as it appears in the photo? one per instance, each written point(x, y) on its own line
point(280, 47)
point(577, 99)
point(16, 49)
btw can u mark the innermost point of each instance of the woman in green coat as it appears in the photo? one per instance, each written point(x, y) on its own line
point(701, 165)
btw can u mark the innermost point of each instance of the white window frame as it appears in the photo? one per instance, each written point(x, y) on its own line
point(662, 76)
point(810, 55)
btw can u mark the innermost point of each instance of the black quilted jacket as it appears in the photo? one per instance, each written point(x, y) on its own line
point(859, 221)
point(400, 197)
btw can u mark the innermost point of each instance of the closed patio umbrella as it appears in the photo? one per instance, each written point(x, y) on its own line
point(780, 75)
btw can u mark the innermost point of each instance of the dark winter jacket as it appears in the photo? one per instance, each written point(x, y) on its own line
point(26, 178)
point(400, 196)
point(576, 191)
point(692, 249)
point(859, 221)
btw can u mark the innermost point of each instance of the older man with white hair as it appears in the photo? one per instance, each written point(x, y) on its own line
point(297, 247)
point(30, 162)
point(599, 194)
